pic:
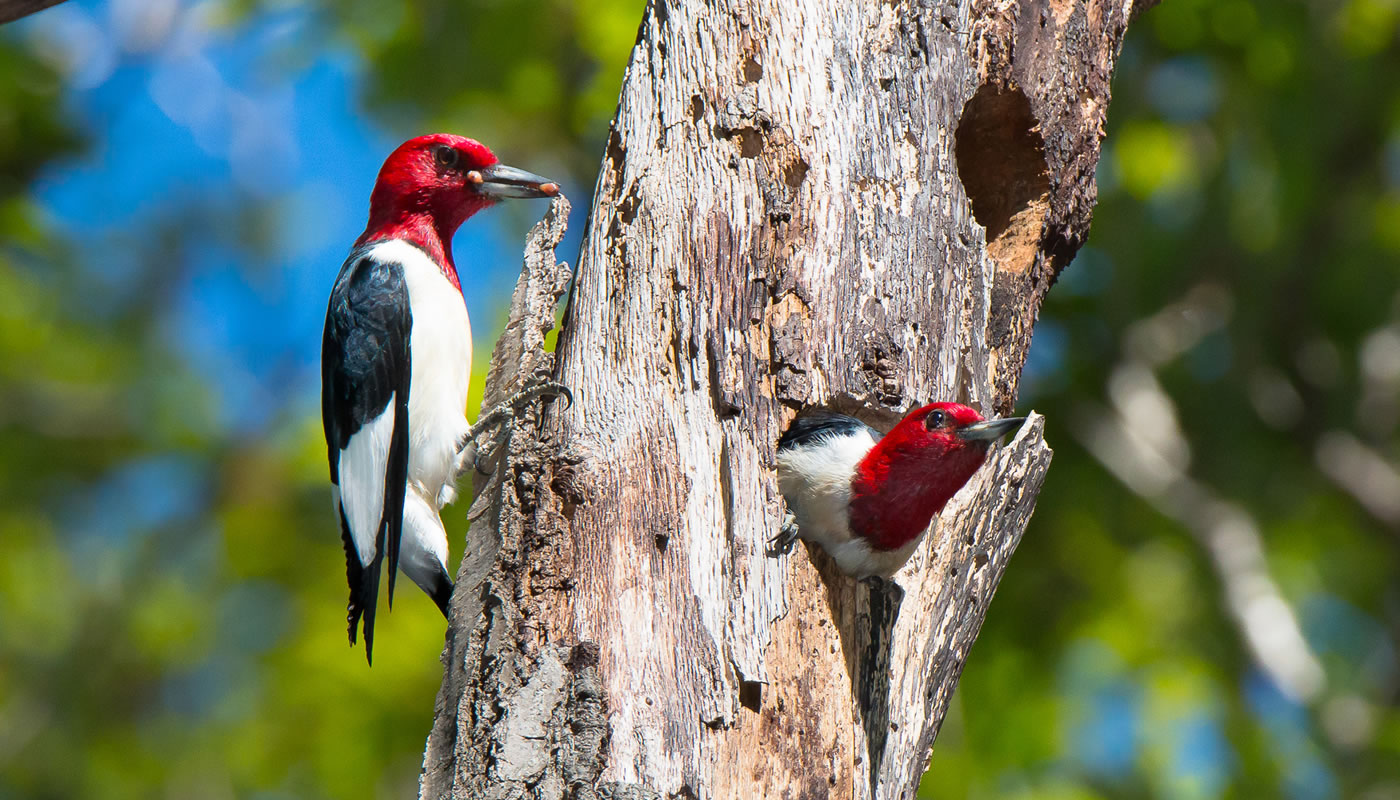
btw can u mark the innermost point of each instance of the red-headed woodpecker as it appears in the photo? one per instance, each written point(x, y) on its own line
point(868, 498)
point(395, 361)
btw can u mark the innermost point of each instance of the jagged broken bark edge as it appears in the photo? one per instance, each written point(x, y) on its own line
point(992, 514)
point(519, 353)
point(495, 518)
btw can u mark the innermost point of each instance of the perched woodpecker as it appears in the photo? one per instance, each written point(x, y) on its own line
point(868, 498)
point(395, 362)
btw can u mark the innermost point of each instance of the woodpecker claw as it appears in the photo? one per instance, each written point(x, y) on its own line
point(467, 449)
point(783, 543)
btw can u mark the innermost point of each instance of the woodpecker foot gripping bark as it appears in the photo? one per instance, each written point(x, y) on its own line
point(468, 452)
point(783, 543)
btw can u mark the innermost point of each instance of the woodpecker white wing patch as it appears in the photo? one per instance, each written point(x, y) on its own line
point(362, 465)
point(816, 477)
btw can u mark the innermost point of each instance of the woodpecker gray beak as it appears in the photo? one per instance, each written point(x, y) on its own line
point(991, 430)
point(498, 180)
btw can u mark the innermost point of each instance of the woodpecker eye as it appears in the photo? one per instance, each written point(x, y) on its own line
point(446, 156)
point(935, 420)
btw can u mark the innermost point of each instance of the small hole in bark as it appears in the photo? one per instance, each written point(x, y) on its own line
point(566, 489)
point(750, 143)
point(886, 83)
point(748, 139)
point(661, 541)
point(1001, 157)
point(979, 559)
point(795, 173)
point(751, 695)
point(753, 70)
point(697, 107)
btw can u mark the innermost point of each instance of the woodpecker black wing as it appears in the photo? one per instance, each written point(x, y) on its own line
point(812, 426)
point(365, 372)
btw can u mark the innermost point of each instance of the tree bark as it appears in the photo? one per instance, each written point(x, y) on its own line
point(855, 205)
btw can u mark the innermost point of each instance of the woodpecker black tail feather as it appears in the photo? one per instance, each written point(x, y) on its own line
point(364, 589)
point(395, 486)
point(372, 589)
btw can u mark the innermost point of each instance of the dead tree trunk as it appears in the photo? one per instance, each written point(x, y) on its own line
point(858, 205)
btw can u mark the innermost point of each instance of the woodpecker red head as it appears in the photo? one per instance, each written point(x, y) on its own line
point(395, 363)
point(432, 184)
point(868, 498)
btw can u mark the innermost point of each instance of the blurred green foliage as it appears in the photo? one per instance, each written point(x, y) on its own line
point(1252, 157)
point(542, 75)
point(194, 650)
point(154, 645)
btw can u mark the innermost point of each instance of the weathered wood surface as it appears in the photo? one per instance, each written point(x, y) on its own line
point(855, 205)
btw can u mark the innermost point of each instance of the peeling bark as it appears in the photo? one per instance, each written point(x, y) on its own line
point(857, 206)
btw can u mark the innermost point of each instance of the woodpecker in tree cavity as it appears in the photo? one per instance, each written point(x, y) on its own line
point(395, 362)
point(867, 499)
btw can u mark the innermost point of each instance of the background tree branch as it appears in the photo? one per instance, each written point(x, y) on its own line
point(11, 10)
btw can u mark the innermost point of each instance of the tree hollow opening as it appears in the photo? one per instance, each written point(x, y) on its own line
point(1001, 162)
